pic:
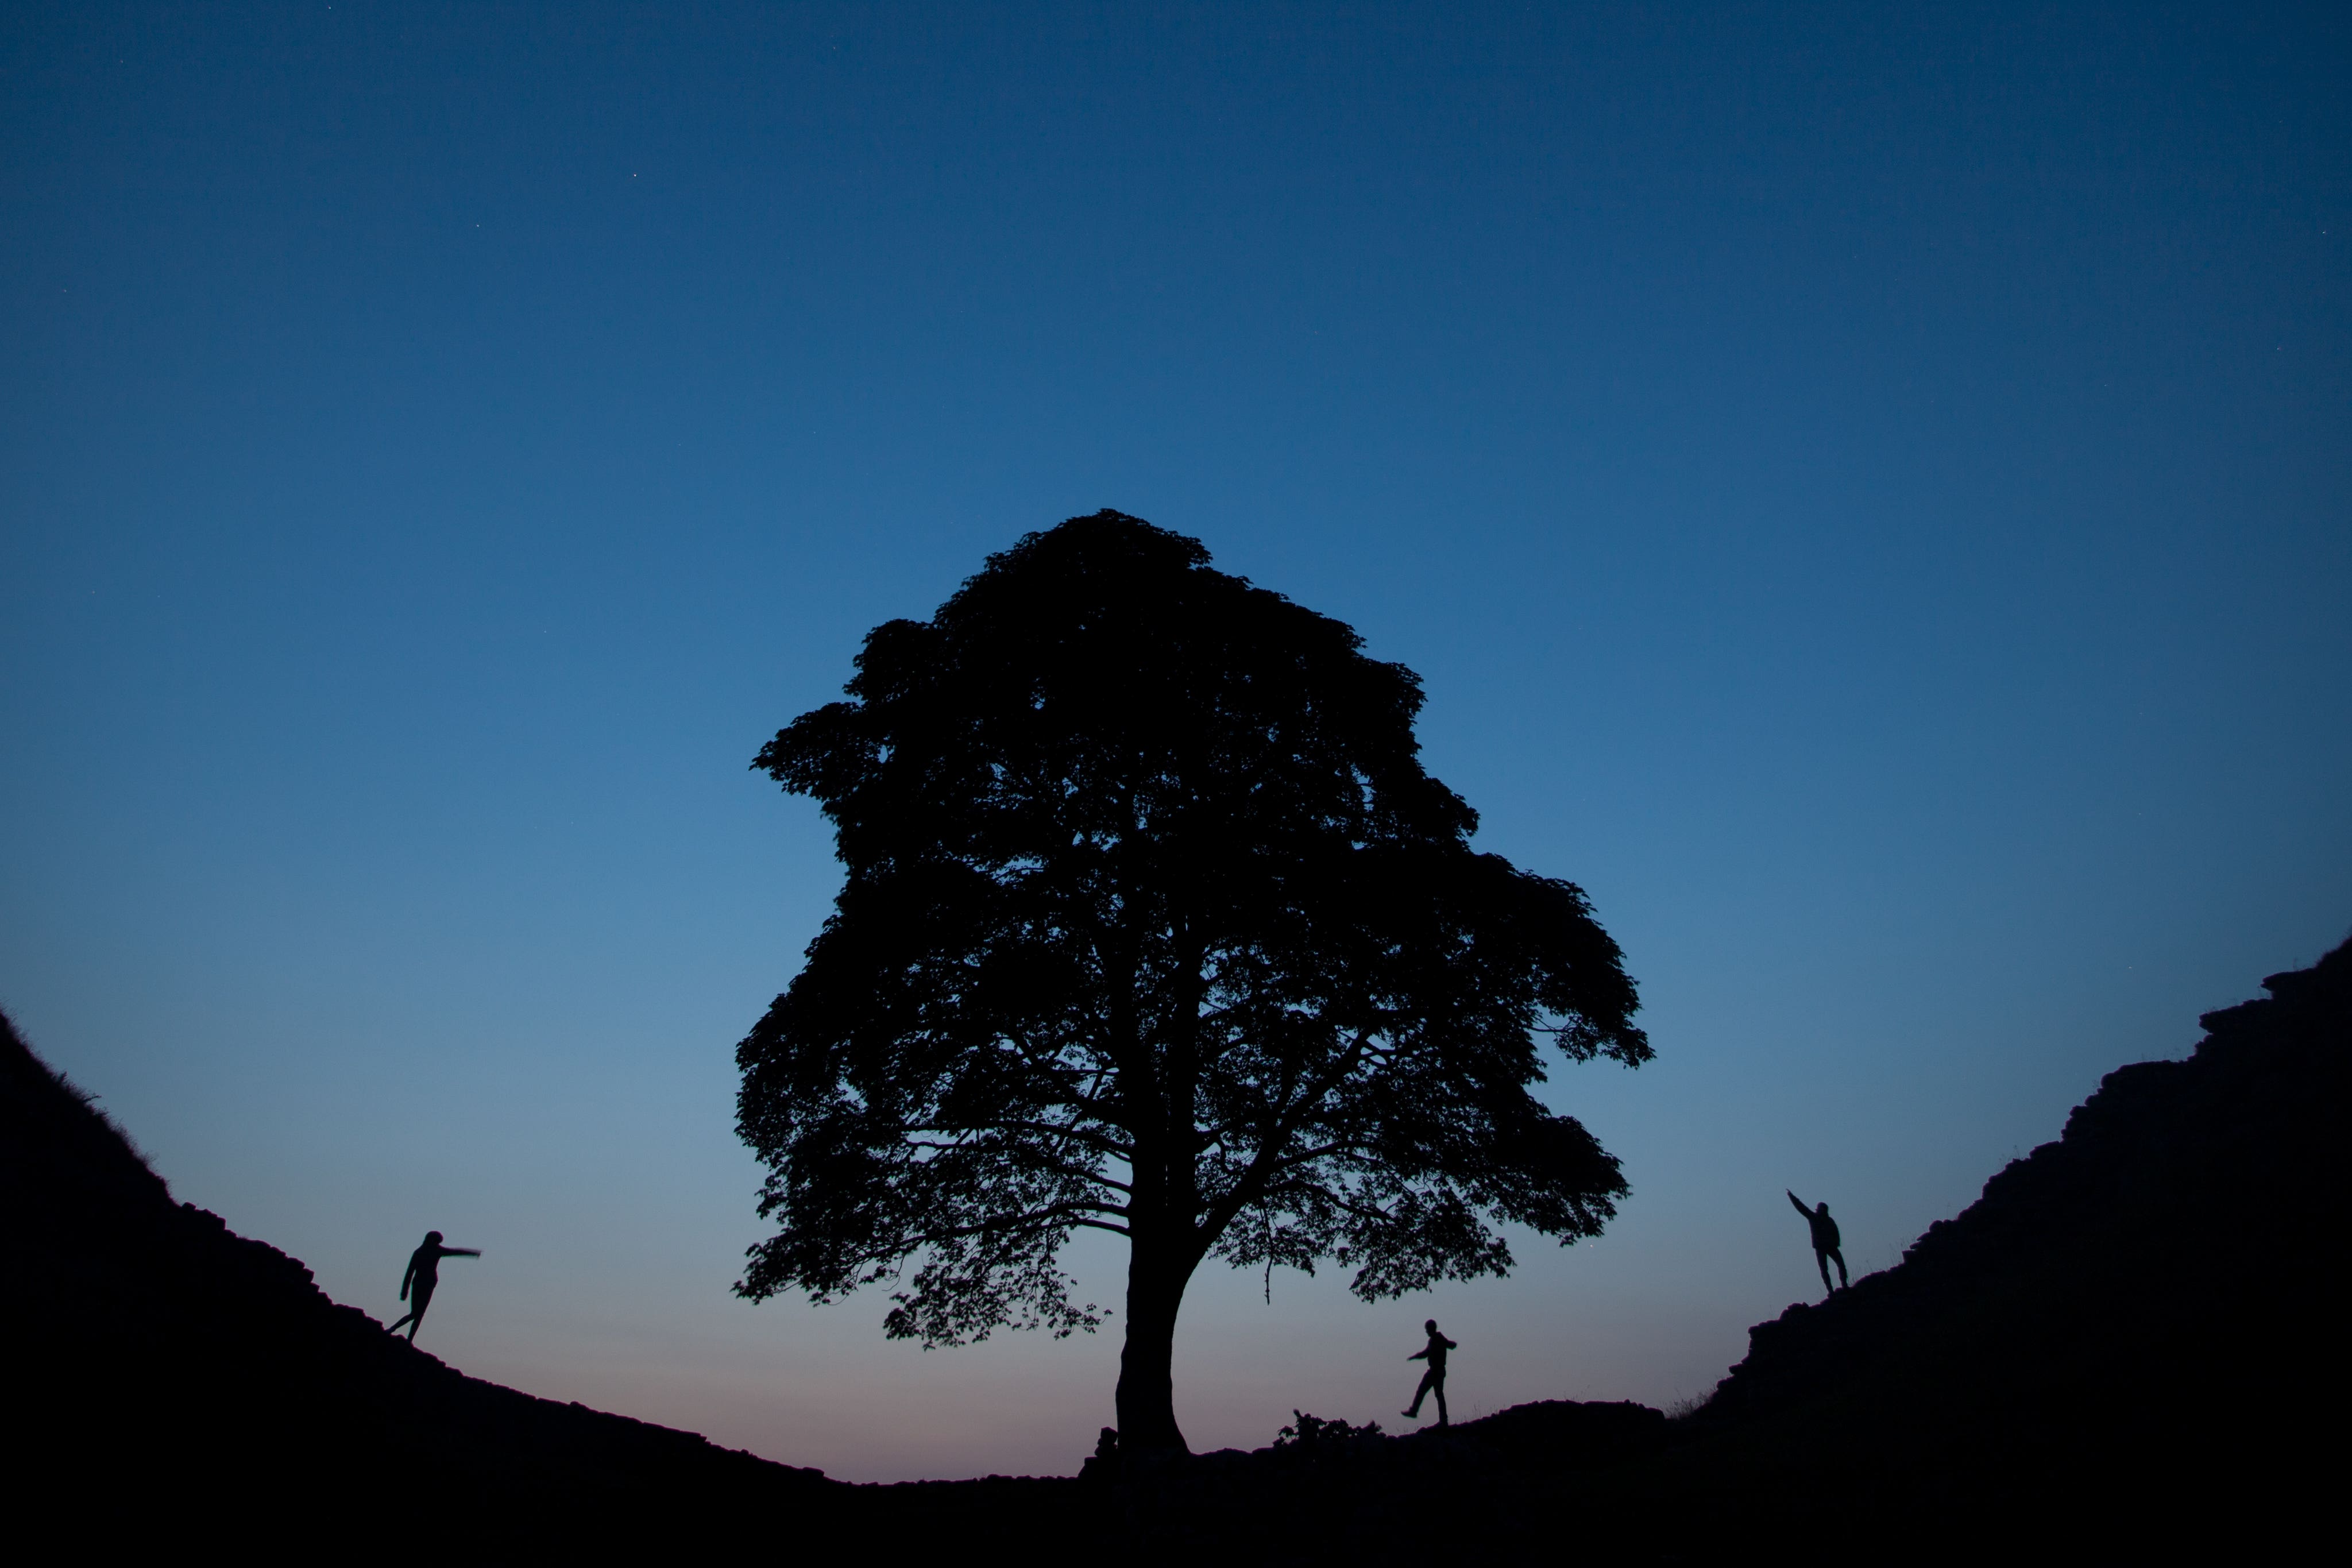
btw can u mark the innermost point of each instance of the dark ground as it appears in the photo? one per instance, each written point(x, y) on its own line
point(2125, 1349)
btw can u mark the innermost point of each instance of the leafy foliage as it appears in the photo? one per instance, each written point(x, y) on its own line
point(1306, 1431)
point(1154, 923)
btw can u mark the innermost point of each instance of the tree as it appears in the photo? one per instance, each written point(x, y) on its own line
point(1154, 924)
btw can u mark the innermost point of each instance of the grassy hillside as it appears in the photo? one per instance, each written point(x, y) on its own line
point(173, 1369)
point(2123, 1348)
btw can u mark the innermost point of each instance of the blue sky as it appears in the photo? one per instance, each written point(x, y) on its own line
point(1866, 489)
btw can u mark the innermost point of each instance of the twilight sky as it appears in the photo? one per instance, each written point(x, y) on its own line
point(1868, 488)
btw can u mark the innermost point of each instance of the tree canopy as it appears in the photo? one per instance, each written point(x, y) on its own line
point(1154, 924)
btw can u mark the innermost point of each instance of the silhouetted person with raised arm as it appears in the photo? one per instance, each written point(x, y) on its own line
point(1434, 1380)
point(425, 1273)
point(1825, 1241)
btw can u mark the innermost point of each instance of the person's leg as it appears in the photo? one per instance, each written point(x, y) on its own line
point(1840, 1257)
point(1422, 1393)
point(1822, 1261)
point(404, 1317)
point(1438, 1388)
point(420, 1298)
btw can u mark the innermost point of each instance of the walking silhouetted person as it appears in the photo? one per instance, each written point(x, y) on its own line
point(1825, 1241)
point(425, 1273)
point(1434, 1380)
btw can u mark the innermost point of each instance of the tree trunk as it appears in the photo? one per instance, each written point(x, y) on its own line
point(1147, 1395)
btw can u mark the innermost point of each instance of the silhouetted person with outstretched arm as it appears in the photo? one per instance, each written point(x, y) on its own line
point(1434, 1380)
point(425, 1273)
point(1825, 1241)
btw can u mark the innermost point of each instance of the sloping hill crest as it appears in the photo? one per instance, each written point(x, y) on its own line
point(2132, 1323)
point(169, 1363)
point(2120, 1348)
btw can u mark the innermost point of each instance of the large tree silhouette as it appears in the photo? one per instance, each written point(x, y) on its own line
point(1154, 924)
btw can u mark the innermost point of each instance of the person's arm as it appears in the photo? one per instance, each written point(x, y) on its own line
point(1449, 1343)
point(406, 1274)
point(1421, 1354)
point(1800, 1202)
point(461, 1252)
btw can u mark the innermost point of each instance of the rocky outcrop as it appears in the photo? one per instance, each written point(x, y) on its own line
point(2128, 1329)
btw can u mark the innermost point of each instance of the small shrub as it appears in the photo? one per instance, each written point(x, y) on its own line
point(1306, 1431)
